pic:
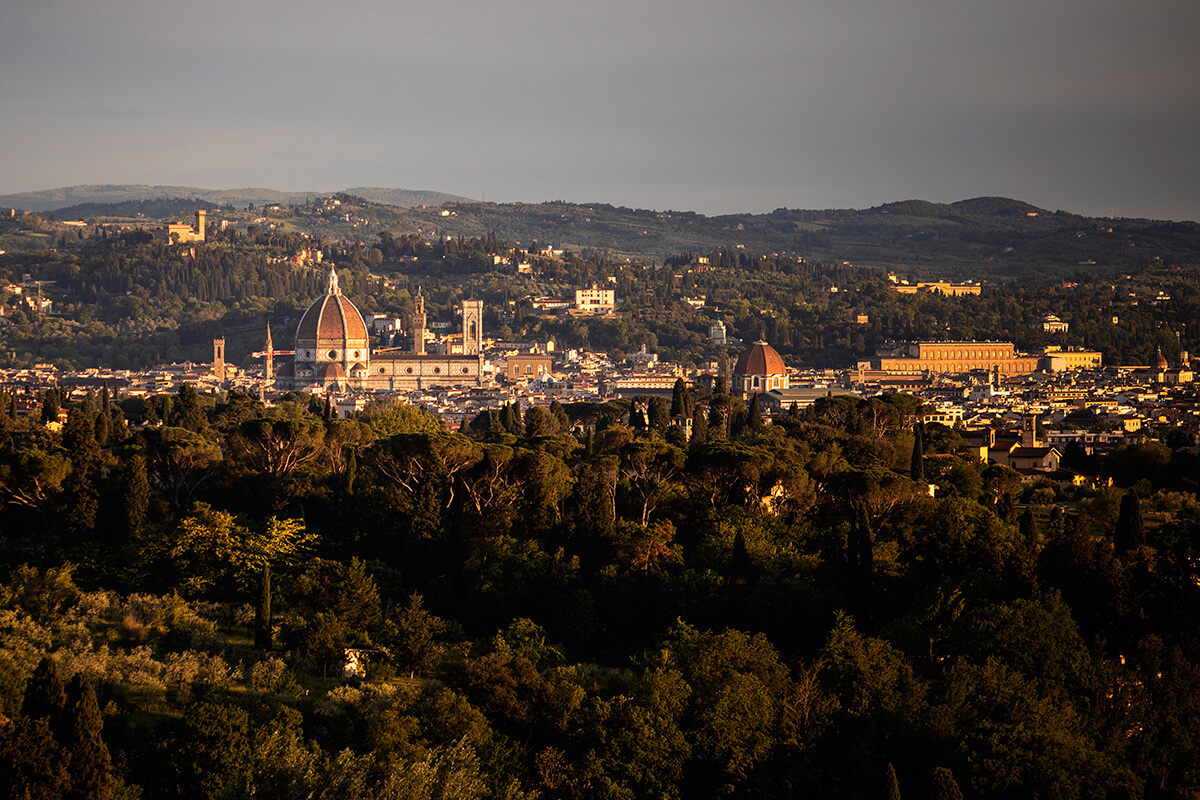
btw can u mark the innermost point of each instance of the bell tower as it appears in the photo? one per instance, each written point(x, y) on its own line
point(418, 324)
point(218, 365)
point(472, 314)
point(1029, 436)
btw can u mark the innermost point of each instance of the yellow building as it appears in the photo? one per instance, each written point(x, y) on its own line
point(596, 300)
point(939, 287)
point(915, 358)
point(1056, 359)
point(178, 233)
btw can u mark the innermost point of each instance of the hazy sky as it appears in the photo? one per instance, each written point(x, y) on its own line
point(1083, 105)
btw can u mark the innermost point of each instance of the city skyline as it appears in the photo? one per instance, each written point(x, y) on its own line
point(699, 106)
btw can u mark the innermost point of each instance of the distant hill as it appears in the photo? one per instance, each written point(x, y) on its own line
point(160, 208)
point(996, 237)
point(103, 194)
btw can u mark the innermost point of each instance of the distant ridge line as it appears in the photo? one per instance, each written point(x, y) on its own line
point(66, 196)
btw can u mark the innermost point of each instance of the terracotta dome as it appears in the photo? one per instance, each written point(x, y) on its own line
point(759, 369)
point(331, 340)
point(332, 316)
point(1160, 361)
point(760, 359)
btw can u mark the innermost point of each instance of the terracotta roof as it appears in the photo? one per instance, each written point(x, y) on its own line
point(760, 359)
point(332, 317)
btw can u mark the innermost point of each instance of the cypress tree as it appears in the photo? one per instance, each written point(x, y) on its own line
point(1131, 526)
point(137, 493)
point(699, 426)
point(892, 783)
point(103, 427)
point(512, 419)
point(188, 413)
point(32, 764)
point(560, 414)
point(45, 697)
point(917, 467)
point(87, 756)
point(944, 785)
point(352, 467)
point(262, 612)
point(1029, 531)
point(678, 406)
point(756, 420)
point(50, 406)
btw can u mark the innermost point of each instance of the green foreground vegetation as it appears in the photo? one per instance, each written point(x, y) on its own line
point(578, 603)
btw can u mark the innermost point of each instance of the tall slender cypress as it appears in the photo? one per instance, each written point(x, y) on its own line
point(88, 758)
point(262, 612)
point(917, 467)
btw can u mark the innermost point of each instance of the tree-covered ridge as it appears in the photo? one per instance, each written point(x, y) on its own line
point(124, 300)
point(577, 601)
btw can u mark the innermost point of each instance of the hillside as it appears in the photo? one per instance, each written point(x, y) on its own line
point(996, 238)
point(67, 196)
point(986, 237)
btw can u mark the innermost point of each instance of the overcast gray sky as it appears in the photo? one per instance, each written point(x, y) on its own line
point(1083, 105)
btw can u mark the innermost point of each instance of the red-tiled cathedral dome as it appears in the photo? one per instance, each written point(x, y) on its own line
point(332, 317)
point(760, 359)
point(331, 340)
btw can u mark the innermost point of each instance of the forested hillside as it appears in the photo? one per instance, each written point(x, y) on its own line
point(578, 603)
point(125, 300)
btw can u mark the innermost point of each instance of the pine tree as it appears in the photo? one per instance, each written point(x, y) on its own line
point(188, 414)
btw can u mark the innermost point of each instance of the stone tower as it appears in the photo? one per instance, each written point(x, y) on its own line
point(269, 359)
point(200, 215)
point(218, 365)
point(418, 324)
point(1029, 436)
point(472, 314)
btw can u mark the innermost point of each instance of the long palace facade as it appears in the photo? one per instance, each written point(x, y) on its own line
point(919, 358)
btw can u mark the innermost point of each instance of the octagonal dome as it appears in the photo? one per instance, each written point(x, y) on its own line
point(332, 321)
point(760, 359)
